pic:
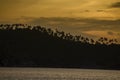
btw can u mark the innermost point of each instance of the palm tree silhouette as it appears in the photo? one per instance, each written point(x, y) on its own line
point(92, 41)
point(58, 34)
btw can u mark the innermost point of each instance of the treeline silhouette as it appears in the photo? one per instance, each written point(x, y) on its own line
point(23, 45)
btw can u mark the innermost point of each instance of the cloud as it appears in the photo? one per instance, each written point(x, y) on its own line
point(100, 33)
point(100, 10)
point(78, 22)
point(75, 25)
point(110, 33)
point(14, 2)
point(115, 5)
point(87, 11)
point(54, 8)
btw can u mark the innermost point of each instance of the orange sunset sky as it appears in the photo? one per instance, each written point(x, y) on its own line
point(93, 18)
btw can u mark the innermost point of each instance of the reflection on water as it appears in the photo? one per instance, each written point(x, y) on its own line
point(57, 74)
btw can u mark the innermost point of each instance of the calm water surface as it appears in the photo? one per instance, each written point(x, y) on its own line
point(57, 74)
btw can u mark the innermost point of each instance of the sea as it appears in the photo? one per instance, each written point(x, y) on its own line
point(57, 74)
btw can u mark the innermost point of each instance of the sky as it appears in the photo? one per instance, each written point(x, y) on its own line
point(93, 18)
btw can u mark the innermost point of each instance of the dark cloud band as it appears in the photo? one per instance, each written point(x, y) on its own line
point(77, 23)
point(115, 5)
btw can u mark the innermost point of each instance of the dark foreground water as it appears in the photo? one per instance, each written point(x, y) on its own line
point(57, 74)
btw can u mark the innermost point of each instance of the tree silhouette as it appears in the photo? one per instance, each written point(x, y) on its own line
point(23, 45)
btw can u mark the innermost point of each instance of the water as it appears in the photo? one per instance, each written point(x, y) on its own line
point(57, 74)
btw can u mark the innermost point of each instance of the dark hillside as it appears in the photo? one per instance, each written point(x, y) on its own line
point(35, 46)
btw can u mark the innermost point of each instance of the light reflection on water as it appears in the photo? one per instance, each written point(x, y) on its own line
point(57, 74)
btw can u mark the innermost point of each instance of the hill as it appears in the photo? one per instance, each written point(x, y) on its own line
point(35, 46)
